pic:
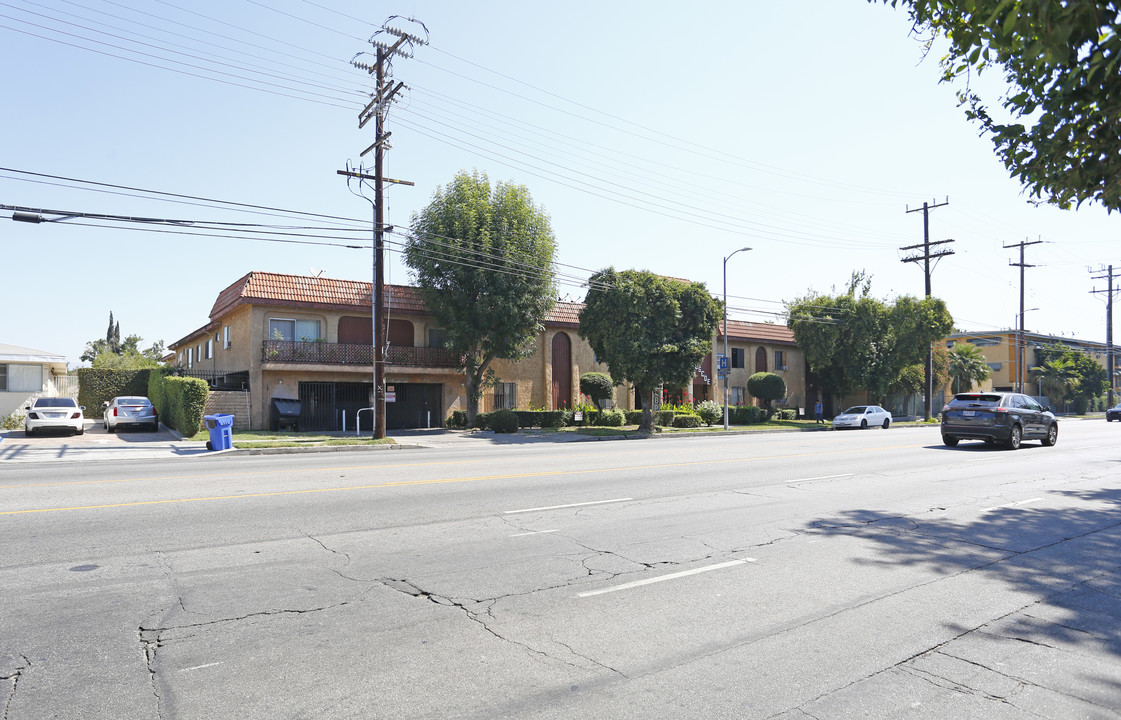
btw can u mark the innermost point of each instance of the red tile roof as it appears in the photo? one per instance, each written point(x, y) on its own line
point(759, 332)
point(262, 288)
point(565, 313)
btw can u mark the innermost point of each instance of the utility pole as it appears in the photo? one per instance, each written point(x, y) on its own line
point(1021, 350)
point(1109, 361)
point(926, 257)
point(384, 95)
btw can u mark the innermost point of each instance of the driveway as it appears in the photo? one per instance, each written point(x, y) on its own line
point(94, 444)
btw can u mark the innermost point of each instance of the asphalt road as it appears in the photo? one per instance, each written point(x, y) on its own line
point(811, 575)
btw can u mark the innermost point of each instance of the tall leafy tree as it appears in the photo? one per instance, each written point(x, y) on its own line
point(108, 352)
point(648, 329)
point(968, 366)
point(854, 341)
point(482, 258)
point(1058, 125)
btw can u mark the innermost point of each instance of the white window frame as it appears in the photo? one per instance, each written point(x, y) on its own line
point(209, 349)
point(738, 395)
point(190, 358)
point(296, 336)
point(226, 338)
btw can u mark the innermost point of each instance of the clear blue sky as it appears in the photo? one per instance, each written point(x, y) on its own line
point(655, 137)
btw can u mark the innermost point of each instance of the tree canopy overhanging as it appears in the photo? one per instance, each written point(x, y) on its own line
point(1059, 125)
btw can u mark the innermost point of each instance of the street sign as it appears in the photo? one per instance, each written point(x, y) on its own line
point(721, 362)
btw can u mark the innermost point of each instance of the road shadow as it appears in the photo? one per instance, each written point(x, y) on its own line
point(1065, 557)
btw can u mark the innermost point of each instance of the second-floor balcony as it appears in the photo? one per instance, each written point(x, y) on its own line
point(325, 353)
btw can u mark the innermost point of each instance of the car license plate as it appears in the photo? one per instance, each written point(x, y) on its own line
point(969, 413)
point(55, 415)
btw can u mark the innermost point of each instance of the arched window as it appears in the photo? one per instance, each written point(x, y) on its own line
point(761, 360)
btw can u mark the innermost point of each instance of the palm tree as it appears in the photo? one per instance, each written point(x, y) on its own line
point(1058, 373)
point(968, 366)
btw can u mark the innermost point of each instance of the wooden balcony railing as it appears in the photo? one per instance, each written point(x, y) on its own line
point(296, 351)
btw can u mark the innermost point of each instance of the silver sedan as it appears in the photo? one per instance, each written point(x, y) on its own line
point(130, 411)
point(863, 416)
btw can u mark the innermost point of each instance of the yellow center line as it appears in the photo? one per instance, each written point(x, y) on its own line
point(438, 481)
point(248, 473)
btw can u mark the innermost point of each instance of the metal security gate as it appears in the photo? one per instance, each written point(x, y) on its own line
point(322, 405)
point(415, 405)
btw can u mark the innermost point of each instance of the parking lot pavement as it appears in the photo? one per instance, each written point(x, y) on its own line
point(94, 444)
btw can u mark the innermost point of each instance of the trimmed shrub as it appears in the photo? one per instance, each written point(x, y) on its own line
point(482, 421)
point(597, 386)
point(766, 387)
point(746, 415)
point(686, 421)
point(710, 411)
point(458, 419)
point(554, 418)
point(787, 414)
point(664, 418)
point(528, 418)
point(180, 401)
point(503, 421)
point(99, 386)
point(612, 418)
point(634, 417)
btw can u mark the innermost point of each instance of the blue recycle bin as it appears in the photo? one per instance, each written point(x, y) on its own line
point(221, 427)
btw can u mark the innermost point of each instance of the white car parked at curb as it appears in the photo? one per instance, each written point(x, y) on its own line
point(863, 416)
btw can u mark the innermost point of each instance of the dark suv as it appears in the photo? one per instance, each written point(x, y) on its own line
point(995, 417)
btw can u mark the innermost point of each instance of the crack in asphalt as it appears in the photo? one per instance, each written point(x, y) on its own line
point(333, 551)
point(410, 588)
point(15, 678)
point(149, 644)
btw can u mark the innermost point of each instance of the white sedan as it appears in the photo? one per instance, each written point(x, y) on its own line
point(863, 416)
point(57, 413)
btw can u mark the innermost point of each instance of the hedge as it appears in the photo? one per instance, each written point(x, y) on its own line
point(611, 418)
point(503, 421)
point(96, 387)
point(746, 415)
point(664, 418)
point(686, 421)
point(180, 401)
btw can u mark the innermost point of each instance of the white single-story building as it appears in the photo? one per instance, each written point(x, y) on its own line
point(26, 374)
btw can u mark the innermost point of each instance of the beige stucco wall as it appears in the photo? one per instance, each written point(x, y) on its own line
point(794, 374)
point(534, 375)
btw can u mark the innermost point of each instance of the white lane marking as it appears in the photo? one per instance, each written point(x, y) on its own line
point(1008, 505)
point(200, 667)
point(823, 477)
point(572, 505)
point(663, 578)
point(1086, 447)
point(535, 532)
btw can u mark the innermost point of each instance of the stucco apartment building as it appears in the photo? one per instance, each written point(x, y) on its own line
point(999, 349)
point(310, 339)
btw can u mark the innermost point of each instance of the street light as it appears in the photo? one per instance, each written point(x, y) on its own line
point(728, 370)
